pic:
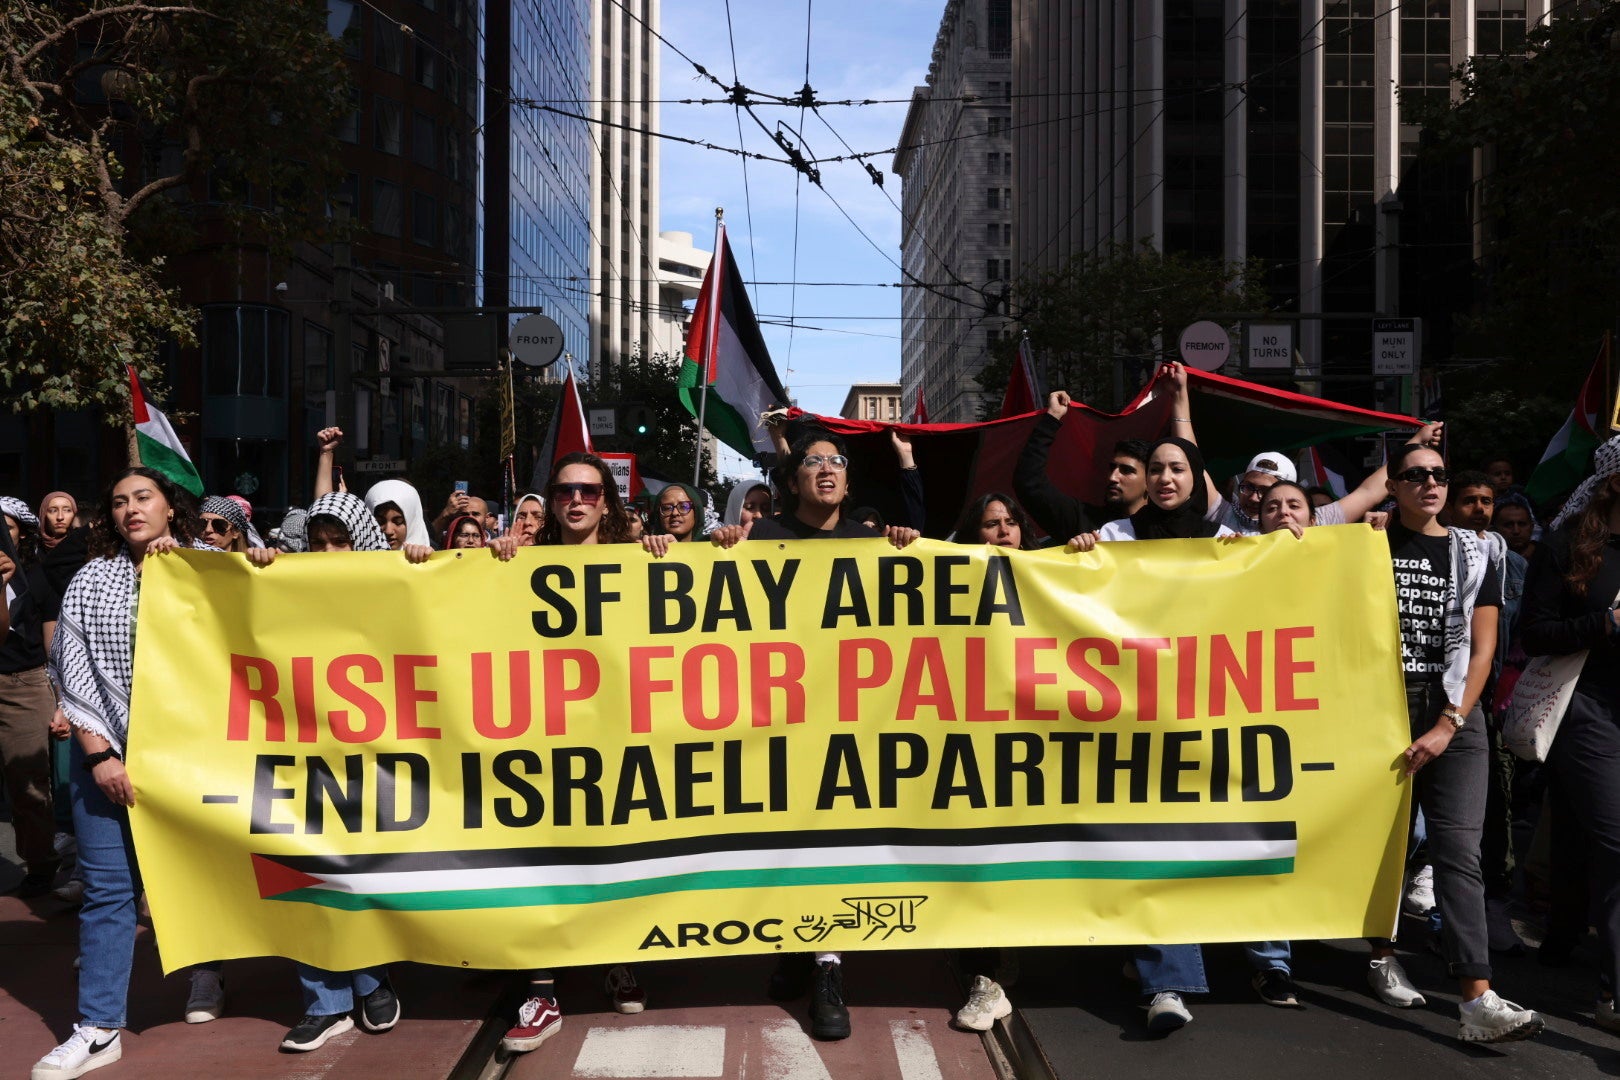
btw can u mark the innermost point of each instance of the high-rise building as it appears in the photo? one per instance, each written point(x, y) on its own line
point(872, 401)
point(681, 266)
point(624, 280)
point(956, 160)
point(1274, 129)
point(537, 164)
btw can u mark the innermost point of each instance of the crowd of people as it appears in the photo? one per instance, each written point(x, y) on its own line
point(1483, 579)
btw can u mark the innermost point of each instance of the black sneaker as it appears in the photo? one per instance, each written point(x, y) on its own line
point(1276, 987)
point(379, 1010)
point(311, 1032)
point(791, 978)
point(35, 883)
point(829, 1017)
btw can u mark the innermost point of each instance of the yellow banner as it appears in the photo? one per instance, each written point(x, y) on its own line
point(587, 755)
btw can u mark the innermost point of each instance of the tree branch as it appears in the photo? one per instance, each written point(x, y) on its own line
point(69, 28)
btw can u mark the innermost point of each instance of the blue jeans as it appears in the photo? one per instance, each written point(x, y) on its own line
point(328, 993)
point(1178, 968)
point(112, 881)
point(1270, 955)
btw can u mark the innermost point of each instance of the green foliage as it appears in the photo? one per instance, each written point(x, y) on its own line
point(1484, 421)
point(1118, 302)
point(106, 107)
point(1547, 128)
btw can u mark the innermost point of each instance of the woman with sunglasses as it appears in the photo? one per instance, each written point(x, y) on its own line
point(223, 524)
point(584, 508)
point(1448, 595)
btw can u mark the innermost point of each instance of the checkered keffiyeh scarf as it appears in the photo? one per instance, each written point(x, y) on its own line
point(91, 660)
point(17, 509)
point(228, 510)
point(1605, 463)
point(364, 532)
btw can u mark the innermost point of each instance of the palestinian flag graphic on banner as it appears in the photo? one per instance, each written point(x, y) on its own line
point(725, 350)
point(538, 877)
point(159, 447)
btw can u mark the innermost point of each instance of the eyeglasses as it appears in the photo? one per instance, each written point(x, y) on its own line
point(1246, 488)
point(1418, 475)
point(216, 525)
point(589, 494)
point(835, 462)
point(671, 509)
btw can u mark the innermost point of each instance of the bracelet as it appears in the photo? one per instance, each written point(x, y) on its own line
point(1180, 420)
point(92, 760)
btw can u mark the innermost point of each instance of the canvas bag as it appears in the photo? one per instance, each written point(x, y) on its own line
point(1540, 699)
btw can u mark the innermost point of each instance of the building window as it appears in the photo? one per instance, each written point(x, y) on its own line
point(427, 66)
point(390, 52)
point(424, 218)
point(992, 199)
point(388, 125)
point(348, 129)
point(245, 351)
point(387, 212)
point(998, 127)
point(452, 153)
point(424, 141)
point(992, 234)
point(998, 32)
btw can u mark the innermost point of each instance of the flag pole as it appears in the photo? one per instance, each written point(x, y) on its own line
point(711, 335)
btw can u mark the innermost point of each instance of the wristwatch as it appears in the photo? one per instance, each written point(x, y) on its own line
point(1456, 716)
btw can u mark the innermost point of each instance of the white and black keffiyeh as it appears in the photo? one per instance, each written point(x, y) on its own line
point(231, 512)
point(364, 532)
point(1468, 563)
point(294, 532)
point(18, 510)
point(1605, 463)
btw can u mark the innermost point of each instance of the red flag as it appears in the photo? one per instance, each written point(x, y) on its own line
point(566, 434)
point(1022, 396)
point(919, 415)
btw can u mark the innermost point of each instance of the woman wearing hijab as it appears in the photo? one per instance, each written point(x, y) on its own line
point(1572, 603)
point(26, 701)
point(224, 525)
point(1178, 500)
point(527, 518)
point(92, 662)
point(674, 520)
point(749, 501)
point(57, 512)
point(398, 509)
point(465, 531)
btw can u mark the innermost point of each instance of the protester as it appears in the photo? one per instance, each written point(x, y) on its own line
point(527, 519)
point(816, 485)
point(1571, 604)
point(328, 477)
point(58, 512)
point(1517, 524)
point(1448, 596)
point(1177, 505)
point(1058, 513)
point(252, 534)
point(678, 509)
point(1500, 471)
point(994, 519)
point(1320, 497)
point(460, 504)
point(868, 516)
point(466, 531)
point(224, 525)
point(398, 509)
point(26, 701)
point(1286, 505)
point(749, 500)
point(92, 662)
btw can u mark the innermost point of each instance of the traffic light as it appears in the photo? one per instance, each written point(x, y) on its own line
point(637, 420)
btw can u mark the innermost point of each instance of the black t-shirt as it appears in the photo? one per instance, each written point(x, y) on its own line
point(1422, 577)
point(37, 604)
point(789, 527)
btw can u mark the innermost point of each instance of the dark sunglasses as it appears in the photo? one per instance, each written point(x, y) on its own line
point(1417, 475)
point(216, 525)
point(588, 494)
point(682, 507)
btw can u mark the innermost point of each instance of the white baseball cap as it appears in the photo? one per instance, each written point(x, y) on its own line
point(1273, 464)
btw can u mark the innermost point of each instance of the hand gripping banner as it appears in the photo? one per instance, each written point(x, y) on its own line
point(588, 755)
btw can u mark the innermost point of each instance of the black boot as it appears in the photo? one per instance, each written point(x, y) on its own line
point(829, 1017)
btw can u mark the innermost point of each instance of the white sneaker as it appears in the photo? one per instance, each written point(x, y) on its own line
point(1605, 1017)
point(1388, 980)
point(986, 1004)
point(1488, 1018)
point(71, 892)
point(1419, 899)
point(207, 1000)
point(1167, 1013)
point(87, 1048)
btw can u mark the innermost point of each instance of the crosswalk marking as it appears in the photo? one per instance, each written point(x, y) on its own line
point(913, 1050)
point(663, 1050)
point(789, 1053)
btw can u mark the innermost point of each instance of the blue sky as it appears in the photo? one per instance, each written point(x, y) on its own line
point(876, 49)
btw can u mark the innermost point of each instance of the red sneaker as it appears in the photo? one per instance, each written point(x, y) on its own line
point(538, 1019)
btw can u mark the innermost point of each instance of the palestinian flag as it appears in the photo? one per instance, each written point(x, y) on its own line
point(156, 443)
point(725, 351)
point(1233, 419)
point(567, 433)
point(539, 877)
point(1569, 456)
point(1023, 385)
